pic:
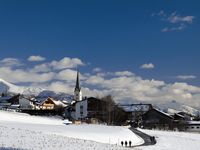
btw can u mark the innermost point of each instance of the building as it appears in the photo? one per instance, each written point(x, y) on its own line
point(11, 102)
point(79, 106)
point(27, 103)
point(193, 126)
point(51, 104)
point(156, 119)
point(79, 109)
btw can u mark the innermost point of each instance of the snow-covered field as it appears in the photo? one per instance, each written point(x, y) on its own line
point(22, 131)
point(169, 140)
point(31, 132)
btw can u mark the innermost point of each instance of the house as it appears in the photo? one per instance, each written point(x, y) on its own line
point(27, 103)
point(135, 112)
point(193, 126)
point(186, 115)
point(4, 101)
point(9, 101)
point(155, 118)
point(179, 117)
point(51, 104)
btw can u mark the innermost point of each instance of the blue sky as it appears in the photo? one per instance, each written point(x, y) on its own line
point(111, 35)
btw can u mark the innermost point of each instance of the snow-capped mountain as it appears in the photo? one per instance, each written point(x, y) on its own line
point(6, 87)
point(175, 107)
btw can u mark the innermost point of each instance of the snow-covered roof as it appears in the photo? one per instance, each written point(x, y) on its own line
point(56, 102)
point(163, 113)
point(180, 115)
point(136, 107)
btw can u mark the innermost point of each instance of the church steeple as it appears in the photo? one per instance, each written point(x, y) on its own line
point(77, 90)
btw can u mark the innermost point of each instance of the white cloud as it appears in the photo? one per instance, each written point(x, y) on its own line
point(67, 75)
point(176, 18)
point(175, 21)
point(135, 89)
point(41, 68)
point(60, 87)
point(177, 28)
point(10, 62)
point(97, 69)
point(124, 73)
point(36, 58)
point(185, 77)
point(147, 66)
point(24, 76)
point(124, 86)
point(66, 62)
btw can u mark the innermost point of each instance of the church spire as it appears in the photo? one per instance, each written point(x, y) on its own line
point(77, 88)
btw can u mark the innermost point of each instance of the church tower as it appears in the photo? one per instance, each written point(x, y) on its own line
point(77, 90)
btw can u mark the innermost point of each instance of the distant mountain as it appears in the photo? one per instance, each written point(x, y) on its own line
point(6, 87)
point(175, 107)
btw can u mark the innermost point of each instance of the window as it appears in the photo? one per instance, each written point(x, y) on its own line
point(197, 127)
point(81, 109)
point(192, 127)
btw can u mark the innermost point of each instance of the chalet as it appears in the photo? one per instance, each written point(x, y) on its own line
point(51, 104)
point(155, 118)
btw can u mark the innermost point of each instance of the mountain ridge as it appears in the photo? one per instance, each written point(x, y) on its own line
point(9, 88)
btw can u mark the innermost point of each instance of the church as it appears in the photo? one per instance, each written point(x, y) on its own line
point(79, 106)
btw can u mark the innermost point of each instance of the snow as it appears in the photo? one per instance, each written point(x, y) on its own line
point(193, 122)
point(175, 107)
point(17, 137)
point(163, 113)
point(169, 140)
point(172, 111)
point(15, 117)
point(6, 87)
point(22, 131)
point(25, 131)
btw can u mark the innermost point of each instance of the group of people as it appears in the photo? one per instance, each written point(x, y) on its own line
point(126, 143)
